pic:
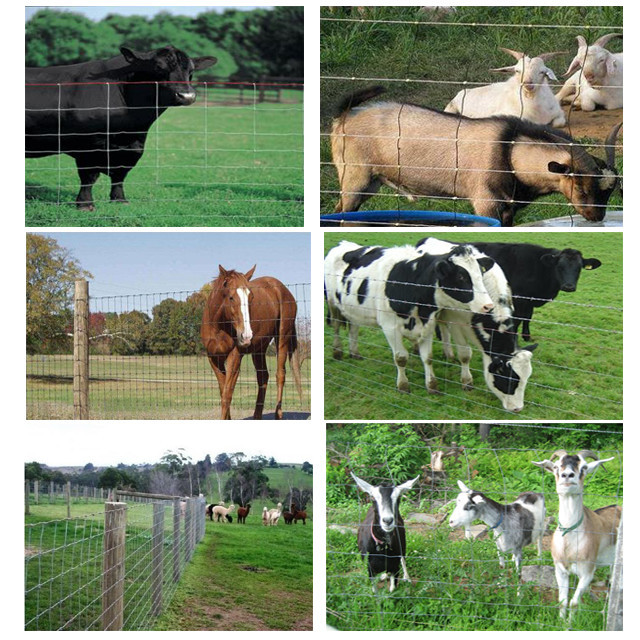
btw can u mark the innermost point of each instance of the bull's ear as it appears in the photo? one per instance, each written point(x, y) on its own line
point(250, 272)
point(203, 63)
point(443, 268)
point(129, 55)
point(591, 263)
point(530, 347)
point(557, 167)
point(549, 259)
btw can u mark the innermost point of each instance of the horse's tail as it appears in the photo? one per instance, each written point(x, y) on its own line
point(294, 360)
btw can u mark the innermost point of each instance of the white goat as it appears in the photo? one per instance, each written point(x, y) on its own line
point(597, 76)
point(274, 515)
point(526, 94)
point(514, 525)
point(584, 539)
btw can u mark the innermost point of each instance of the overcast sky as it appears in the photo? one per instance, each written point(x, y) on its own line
point(125, 263)
point(97, 13)
point(107, 444)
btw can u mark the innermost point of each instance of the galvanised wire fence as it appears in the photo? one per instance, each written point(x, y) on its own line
point(233, 158)
point(456, 582)
point(425, 56)
point(110, 569)
point(147, 361)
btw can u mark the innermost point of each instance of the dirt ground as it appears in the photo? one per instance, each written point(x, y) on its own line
point(592, 124)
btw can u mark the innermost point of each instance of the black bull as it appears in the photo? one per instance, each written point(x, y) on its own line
point(100, 112)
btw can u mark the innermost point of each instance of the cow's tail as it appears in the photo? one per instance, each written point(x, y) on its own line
point(295, 361)
point(357, 98)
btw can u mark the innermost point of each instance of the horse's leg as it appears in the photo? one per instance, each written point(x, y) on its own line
point(283, 349)
point(262, 374)
point(217, 364)
point(232, 365)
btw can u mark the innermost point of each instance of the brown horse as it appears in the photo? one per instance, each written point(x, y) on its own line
point(242, 316)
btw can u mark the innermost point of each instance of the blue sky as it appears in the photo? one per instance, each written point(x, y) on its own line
point(124, 263)
point(97, 13)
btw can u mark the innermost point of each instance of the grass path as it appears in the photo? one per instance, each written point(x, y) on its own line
point(246, 578)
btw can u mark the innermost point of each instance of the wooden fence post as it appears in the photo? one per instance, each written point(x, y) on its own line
point(157, 550)
point(26, 498)
point(81, 351)
point(176, 539)
point(36, 492)
point(67, 497)
point(52, 492)
point(614, 615)
point(115, 526)
point(187, 532)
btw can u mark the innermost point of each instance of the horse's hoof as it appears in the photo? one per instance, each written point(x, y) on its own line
point(86, 207)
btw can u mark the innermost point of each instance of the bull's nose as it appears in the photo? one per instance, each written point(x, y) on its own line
point(487, 307)
point(569, 287)
point(188, 97)
point(517, 409)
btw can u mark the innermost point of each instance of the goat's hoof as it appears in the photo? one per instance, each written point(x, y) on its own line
point(467, 386)
point(433, 390)
point(356, 356)
point(337, 355)
point(403, 387)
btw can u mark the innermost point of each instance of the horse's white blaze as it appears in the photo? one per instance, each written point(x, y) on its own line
point(247, 333)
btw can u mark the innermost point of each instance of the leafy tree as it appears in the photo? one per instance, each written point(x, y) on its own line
point(33, 471)
point(307, 467)
point(110, 478)
point(51, 273)
point(247, 481)
point(128, 332)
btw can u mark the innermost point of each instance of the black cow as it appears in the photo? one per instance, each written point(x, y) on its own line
point(100, 112)
point(536, 274)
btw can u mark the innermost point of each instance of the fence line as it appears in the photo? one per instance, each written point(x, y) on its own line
point(116, 571)
point(455, 581)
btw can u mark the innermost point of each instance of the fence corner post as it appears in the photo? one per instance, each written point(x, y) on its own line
point(115, 526)
point(81, 351)
point(614, 613)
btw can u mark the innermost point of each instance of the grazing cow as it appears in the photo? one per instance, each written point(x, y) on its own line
point(536, 274)
point(100, 112)
point(402, 291)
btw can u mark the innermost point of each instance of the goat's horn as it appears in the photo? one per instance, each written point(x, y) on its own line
point(558, 453)
point(546, 56)
point(518, 55)
point(610, 146)
point(602, 41)
point(587, 453)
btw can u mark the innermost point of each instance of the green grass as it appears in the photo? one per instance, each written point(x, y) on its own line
point(246, 578)
point(223, 165)
point(379, 52)
point(577, 367)
point(152, 387)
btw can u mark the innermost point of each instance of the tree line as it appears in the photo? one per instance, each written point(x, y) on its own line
point(248, 44)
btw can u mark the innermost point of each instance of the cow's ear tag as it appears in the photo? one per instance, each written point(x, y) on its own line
point(588, 267)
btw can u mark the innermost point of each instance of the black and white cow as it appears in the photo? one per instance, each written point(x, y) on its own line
point(401, 291)
point(100, 112)
point(536, 274)
point(506, 367)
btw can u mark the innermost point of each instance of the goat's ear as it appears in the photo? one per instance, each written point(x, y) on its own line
point(545, 464)
point(592, 466)
point(478, 499)
point(365, 486)
point(557, 167)
point(611, 65)
point(463, 487)
point(549, 73)
point(511, 69)
point(407, 485)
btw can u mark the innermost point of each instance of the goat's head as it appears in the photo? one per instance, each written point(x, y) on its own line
point(468, 505)
point(595, 61)
point(571, 470)
point(588, 182)
point(386, 500)
point(532, 72)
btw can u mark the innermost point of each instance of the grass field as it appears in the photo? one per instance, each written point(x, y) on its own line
point(428, 64)
point(246, 578)
point(577, 367)
point(457, 584)
point(153, 387)
point(208, 165)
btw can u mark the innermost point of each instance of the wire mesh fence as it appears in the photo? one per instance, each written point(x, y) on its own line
point(110, 570)
point(147, 361)
point(233, 158)
point(575, 371)
point(456, 581)
point(376, 155)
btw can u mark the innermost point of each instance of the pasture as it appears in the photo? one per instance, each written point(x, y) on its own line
point(208, 165)
point(577, 367)
point(457, 584)
point(425, 60)
point(153, 387)
point(246, 578)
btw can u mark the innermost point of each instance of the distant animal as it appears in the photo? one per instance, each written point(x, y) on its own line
point(596, 76)
point(229, 518)
point(381, 537)
point(100, 112)
point(242, 316)
point(243, 512)
point(288, 517)
point(299, 514)
point(219, 512)
point(536, 274)
point(402, 292)
point(526, 94)
point(265, 516)
point(499, 164)
point(274, 515)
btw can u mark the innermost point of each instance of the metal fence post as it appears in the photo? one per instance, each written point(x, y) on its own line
point(176, 539)
point(26, 498)
point(81, 351)
point(614, 614)
point(157, 547)
point(67, 497)
point(115, 525)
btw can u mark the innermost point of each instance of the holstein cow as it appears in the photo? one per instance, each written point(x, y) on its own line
point(100, 112)
point(401, 292)
point(506, 367)
point(536, 274)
